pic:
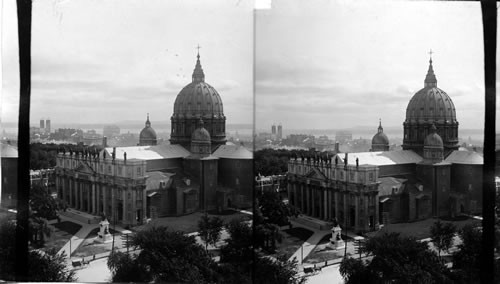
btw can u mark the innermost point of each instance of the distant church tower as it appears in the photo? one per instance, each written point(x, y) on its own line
point(430, 106)
point(380, 142)
point(147, 137)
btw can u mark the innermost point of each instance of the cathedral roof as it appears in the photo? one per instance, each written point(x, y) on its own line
point(465, 157)
point(431, 103)
point(233, 152)
point(381, 158)
point(149, 152)
point(198, 98)
point(380, 138)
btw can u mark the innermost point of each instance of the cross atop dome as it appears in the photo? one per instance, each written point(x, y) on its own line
point(380, 129)
point(430, 78)
point(198, 75)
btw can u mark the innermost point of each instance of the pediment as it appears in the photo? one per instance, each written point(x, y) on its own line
point(316, 174)
point(84, 168)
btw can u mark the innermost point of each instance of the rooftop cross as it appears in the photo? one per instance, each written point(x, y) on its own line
point(198, 47)
point(430, 53)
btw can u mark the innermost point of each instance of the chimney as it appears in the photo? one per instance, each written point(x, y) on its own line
point(104, 141)
point(337, 147)
point(114, 153)
point(125, 157)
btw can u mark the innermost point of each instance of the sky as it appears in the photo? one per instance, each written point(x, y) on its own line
point(344, 64)
point(110, 61)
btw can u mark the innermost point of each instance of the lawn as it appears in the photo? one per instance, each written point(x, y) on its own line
point(322, 252)
point(60, 235)
point(421, 230)
point(90, 247)
point(292, 240)
point(189, 223)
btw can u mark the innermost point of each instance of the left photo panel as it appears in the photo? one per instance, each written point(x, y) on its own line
point(141, 140)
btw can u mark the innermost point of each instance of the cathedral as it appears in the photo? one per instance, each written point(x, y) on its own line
point(429, 177)
point(199, 170)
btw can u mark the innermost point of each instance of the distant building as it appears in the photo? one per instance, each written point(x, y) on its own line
point(280, 132)
point(273, 129)
point(277, 183)
point(428, 178)
point(8, 174)
point(111, 131)
point(47, 126)
point(343, 136)
point(42, 124)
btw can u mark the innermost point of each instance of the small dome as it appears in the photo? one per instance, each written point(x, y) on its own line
point(147, 135)
point(200, 134)
point(433, 140)
point(380, 142)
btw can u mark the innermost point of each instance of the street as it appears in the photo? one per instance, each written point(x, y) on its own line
point(95, 271)
point(328, 274)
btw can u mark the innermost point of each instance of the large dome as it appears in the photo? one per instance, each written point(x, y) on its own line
point(430, 106)
point(433, 140)
point(198, 100)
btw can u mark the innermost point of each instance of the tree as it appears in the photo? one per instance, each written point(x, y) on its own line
point(355, 271)
point(166, 256)
point(442, 235)
point(274, 209)
point(125, 268)
point(277, 270)
point(399, 260)
point(43, 267)
point(42, 203)
point(467, 259)
point(209, 229)
point(39, 228)
point(239, 244)
point(49, 267)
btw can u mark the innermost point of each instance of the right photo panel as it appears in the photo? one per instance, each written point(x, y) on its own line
point(369, 139)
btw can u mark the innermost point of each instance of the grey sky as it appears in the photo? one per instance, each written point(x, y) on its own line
point(340, 64)
point(106, 61)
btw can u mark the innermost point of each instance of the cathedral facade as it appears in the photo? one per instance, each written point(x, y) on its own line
point(430, 177)
point(199, 170)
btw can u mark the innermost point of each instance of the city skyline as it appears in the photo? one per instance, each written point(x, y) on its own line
point(340, 64)
point(98, 61)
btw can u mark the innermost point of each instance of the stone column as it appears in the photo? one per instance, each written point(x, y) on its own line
point(313, 201)
point(375, 197)
point(113, 201)
point(98, 198)
point(89, 201)
point(105, 188)
point(93, 199)
point(302, 198)
point(346, 211)
point(308, 199)
point(325, 204)
point(80, 188)
point(70, 185)
point(144, 205)
point(367, 216)
point(356, 210)
point(124, 202)
point(336, 201)
point(134, 206)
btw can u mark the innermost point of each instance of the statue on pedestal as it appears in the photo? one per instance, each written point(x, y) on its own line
point(336, 241)
point(104, 236)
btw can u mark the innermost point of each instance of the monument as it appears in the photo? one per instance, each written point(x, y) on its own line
point(336, 241)
point(104, 236)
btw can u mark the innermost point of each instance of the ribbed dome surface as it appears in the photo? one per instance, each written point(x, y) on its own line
point(431, 104)
point(198, 99)
point(380, 138)
point(147, 133)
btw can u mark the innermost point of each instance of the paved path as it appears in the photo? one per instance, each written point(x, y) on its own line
point(309, 245)
point(78, 238)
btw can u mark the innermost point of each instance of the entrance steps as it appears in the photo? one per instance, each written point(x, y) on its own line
point(83, 217)
point(313, 222)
